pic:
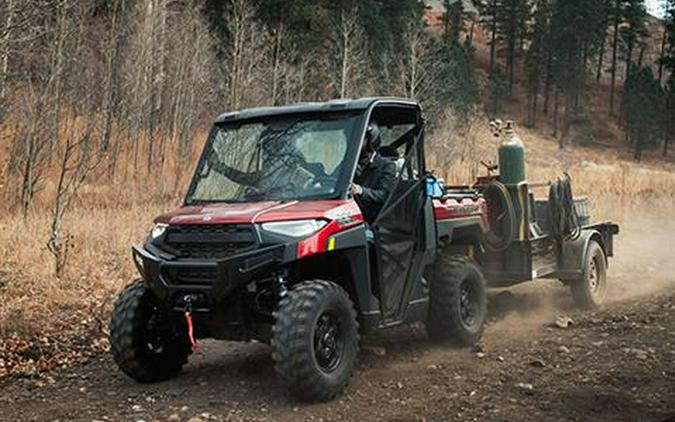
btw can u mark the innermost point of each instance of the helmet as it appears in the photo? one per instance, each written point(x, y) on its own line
point(373, 136)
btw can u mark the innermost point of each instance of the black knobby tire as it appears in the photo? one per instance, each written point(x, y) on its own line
point(147, 343)
point(590, 289)
point(457, 302)
point(315, 340)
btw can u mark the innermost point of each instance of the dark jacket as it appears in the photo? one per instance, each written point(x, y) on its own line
point(377, 180)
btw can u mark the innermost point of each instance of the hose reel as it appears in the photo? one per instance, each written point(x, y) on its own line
point(562, 212)
point(503, 225)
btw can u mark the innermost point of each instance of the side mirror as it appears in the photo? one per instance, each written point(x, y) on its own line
point(435, 187)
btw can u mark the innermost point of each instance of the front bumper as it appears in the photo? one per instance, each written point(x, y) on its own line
point(224, 276)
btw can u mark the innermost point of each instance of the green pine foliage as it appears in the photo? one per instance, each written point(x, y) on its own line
point(642, 110)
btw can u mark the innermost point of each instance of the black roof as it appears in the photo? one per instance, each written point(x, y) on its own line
point(313, 107)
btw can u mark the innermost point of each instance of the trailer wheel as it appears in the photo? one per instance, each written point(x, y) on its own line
point(458, 302)
point(148, 344)
point(590, 289)
point(315, 340)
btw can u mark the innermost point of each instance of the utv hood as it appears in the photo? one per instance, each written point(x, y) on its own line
point(259, 212)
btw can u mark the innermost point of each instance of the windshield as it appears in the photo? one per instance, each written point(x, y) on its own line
point(276, 159)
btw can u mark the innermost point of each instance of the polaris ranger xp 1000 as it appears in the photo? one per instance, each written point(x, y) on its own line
point(271, 246)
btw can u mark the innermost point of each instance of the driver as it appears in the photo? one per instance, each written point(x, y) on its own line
point(375, 175)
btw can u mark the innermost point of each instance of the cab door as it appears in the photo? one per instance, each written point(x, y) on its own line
point(401, 224)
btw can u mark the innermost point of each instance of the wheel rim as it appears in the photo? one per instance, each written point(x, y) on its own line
point(159, 332)
point(328, 342)
point(595, 284)
point(469, 305)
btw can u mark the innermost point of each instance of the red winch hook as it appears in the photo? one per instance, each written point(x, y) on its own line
point(188, 319)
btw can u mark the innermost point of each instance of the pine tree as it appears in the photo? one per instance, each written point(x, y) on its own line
point(489, 18)
point(536, 56)
point(642, 110)
point(668, 63)
point(511, 30)
point(577, 30)
point(460, 86)
point(634, 31)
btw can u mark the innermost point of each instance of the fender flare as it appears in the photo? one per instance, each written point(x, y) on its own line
point(572, 256)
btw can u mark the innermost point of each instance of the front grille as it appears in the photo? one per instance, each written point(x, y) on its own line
point(190, 276)
point(209, 242)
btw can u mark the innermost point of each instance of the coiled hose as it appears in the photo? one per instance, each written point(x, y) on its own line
point(501, 235)
point(562, 212)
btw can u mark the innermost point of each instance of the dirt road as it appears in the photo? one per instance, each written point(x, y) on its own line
point(617, 364)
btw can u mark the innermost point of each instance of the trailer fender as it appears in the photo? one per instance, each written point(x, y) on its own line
point(572, 256)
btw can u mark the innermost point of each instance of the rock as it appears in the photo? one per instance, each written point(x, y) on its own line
point(173, 417)
point(375, 350)
point(563, 321)
point(478, 348)
point(539, 363)
point(432, 367)
point(480, 355)
point(137, 408)
point(598, 343)
point(500, 358)
point(195, 419)
point(184, 409)
point(528, 388)
point(563, 349)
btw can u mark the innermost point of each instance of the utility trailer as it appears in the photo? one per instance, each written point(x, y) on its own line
point(270, 245)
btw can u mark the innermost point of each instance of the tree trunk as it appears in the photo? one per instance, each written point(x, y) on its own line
point(493, 38)
point(278, 37)
point(615, 47)
point(662, 55)
point(549, 82)
point(629, 60)
point(601, 58)
point(346, 47)
point(556, 104)
point(4, 55)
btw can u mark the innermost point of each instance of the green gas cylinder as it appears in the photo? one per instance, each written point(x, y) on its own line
point(511, 157)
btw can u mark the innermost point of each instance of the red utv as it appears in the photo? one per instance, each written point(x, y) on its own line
point(270, 246)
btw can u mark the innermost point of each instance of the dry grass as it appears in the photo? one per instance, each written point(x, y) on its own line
point(108, 219)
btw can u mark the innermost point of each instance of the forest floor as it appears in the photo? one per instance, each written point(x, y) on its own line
point(615, 364)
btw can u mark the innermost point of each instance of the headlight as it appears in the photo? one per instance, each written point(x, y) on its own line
point(158, 230)
point(298, 228)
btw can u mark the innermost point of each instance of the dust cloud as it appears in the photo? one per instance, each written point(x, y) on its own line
point(643, 265)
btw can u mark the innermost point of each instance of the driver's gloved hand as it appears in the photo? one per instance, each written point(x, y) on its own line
point(356, 190)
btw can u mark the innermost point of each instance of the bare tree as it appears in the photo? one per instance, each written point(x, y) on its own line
point(420, 70)
point(5, 52)
point(247, 51)
point(349, 54)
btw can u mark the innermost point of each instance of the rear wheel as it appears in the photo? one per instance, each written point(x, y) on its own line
point(315, 340)
point(147, 343)
point(458, 302)
point(590, 289)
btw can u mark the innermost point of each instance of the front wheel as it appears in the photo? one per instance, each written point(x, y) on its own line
point(147, 343)
point(457, 302)
point(315, 340)
point(590, 289)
